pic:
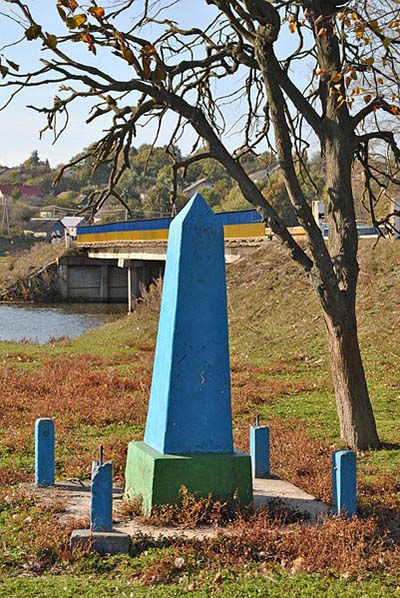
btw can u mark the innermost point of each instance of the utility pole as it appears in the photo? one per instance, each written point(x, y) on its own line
point(5, 222)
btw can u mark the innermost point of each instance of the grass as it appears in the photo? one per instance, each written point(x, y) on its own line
point(256, 584)
point(96, 388)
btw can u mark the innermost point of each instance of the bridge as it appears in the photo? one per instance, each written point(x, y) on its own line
point(122, 258)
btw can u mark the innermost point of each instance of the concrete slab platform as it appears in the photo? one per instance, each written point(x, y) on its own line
point(274, 491)
point(75, 496)
point(113, 542)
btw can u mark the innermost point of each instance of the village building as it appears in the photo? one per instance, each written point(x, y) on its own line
point(28, 193)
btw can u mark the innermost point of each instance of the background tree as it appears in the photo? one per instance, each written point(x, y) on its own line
point(346, 52)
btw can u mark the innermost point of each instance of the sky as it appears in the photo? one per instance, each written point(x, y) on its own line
point(19, 125)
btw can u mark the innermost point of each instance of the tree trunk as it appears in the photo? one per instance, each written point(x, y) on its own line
point(357, 423)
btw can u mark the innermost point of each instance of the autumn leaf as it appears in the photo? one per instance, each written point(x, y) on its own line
point(33, 32)
point(87, 38)
point(148, 50)
point(51, 40)
point(322, 32)
point(338, 77)
point(340, 101)
point(127, 54)
point(13, 65)
point(71, 4)
point(146, 66)
point(367, 98)
point(293, 27)
point(395, 110)
point(97, 11)
point(160, 73)
point(76, 21)
point(4, 70)
point(61, 12)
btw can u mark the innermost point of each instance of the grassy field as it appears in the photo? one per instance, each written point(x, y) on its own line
point(97, 388)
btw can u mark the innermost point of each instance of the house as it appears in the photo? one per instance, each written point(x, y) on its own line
point(197, 185)
point(27, 193)
point(70, 225)
point(51, 211)
point(44, 229)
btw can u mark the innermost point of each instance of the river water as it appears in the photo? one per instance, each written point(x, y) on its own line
point(22, 322)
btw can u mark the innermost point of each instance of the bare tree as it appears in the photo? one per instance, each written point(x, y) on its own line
point(331, 90)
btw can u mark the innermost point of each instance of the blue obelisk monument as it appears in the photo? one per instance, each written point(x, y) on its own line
point(188, 438)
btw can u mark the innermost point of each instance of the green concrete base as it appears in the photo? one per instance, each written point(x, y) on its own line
point(156, 478)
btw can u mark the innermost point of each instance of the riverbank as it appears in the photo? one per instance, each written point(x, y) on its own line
point(96, 388)
point(31, 275)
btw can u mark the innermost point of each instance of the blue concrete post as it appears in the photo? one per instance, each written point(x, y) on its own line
point(344, 483)
point(101, 506)
point(259, 451)
point(44, 452)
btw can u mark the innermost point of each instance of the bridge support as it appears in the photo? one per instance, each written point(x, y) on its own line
point(102, 280)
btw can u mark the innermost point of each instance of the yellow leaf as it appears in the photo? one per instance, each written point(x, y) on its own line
point(338, 77)
point(87, 38)
point(76, 21)
point(386, 42)
point(381, 80)
point(293, 27)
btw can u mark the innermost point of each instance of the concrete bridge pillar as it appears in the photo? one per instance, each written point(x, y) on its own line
point(133, 286)
point(104, 283)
